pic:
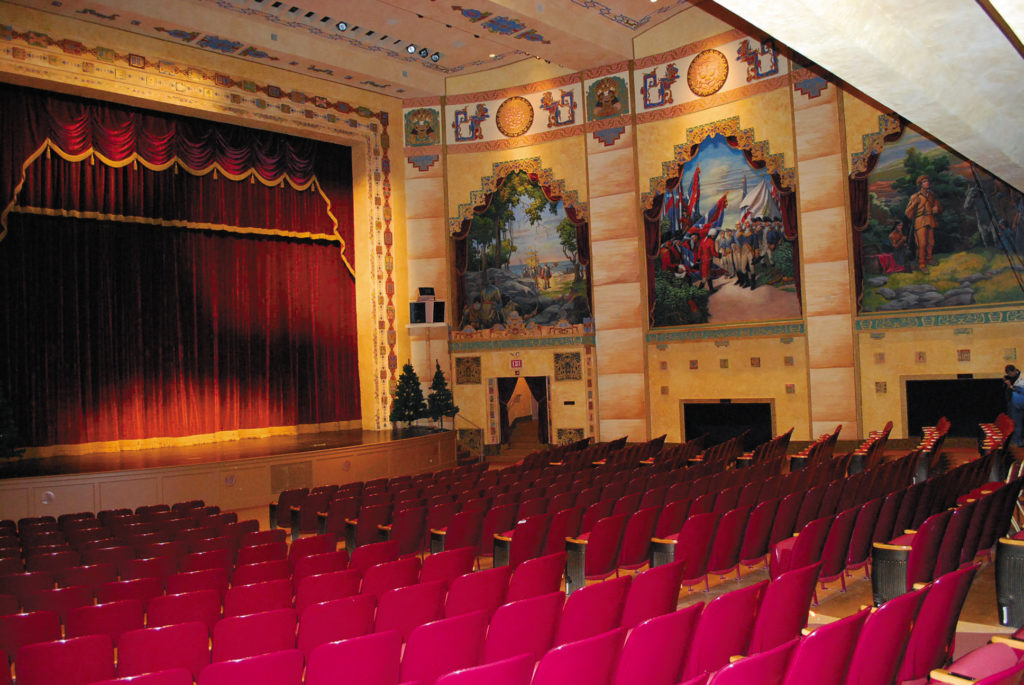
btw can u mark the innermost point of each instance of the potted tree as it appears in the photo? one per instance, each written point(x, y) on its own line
point(440, 402)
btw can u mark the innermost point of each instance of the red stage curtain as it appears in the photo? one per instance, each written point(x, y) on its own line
point(114, 328)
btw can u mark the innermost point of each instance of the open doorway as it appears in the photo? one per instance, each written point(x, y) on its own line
point(523, 409)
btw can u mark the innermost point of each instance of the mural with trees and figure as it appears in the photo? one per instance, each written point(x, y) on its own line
point(523, 262)
point(732, 262)
point(940, 231)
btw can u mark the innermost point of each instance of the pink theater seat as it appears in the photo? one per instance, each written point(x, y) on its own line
point(340, 619)
point(406, 608)
point(76, 661)
point(516, 670)
point(237, 637)
point(883, 640)
point(724, 630)
point(590, 661)
point(111, 619)
point(370, 555)
point(652, 593)
point(443, 646)
point(18, 630)
point(656, 649)
point(784, 607)
point(506, 637)
point(537, 577)
point(477, 591)
point(325, 587)
point(184, 645)
point(368, 660)
point(172, 676)
point(823, 657)
point(276, 668)
point(593, 609)
point(448, 565)
point(390, 575)
point(319, 563)
point(766, 668)
point(184, 607)
point(250, 599)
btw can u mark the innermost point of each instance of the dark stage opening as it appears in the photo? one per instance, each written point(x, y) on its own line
point(966, 402)
point(724, 420)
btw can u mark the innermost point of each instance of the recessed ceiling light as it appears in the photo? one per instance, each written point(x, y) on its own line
point(342, 25)
point(411, 49)
point(492, 55)
point(435, 57)
point(424, 52)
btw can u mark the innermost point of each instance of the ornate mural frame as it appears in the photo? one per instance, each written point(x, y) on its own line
point(529, 165)
point(729, 127)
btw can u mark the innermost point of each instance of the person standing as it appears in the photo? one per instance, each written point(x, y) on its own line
point(1014, 381)
point(923, 210)
point(898, 239)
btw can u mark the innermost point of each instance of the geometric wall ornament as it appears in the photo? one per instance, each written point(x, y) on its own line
point(755, 362)
point(423, 162)
point(694, 365)
point(963, 355)
point(608, 136)
point(790, 389)
point(568, 366)
point(881, 387)
point(920, 357)
point(879, 357)
point(422, 127)
point(723, 363)
point(467, 370)
point(663, 366)
point(811, 87)
point(1010, 354)
point(607, 97)
point(564, 436)
point(787, 361)
point(664, 390)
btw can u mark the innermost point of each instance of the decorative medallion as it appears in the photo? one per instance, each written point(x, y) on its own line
point(707, 73)
point(515, 116)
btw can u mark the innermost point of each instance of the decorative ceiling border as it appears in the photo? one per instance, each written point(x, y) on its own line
point(716, 100)
point(690, 334)
point(729, 127)
point(37, 56)
point(875, 323)
point(691, 48)
point(621, 19)
point(529, 165)
point(521, 141)
point(521, 343)
point(501, 93)
point(873, 143)
point(604, 70)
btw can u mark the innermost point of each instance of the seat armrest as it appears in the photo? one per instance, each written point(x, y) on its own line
point(503, 538)
point(941, 675)
point(886, 545)
point(438, 531)
point(384, 527)
point(663, 541)
point(1017, 645)
point(575, 540)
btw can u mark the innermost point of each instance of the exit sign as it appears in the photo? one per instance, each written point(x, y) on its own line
point(515, 363)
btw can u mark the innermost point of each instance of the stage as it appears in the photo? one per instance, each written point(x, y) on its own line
point(232, 475)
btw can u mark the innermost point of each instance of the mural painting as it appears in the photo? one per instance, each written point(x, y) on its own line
point(941, 232)
point(730, 262)
point(524, 266)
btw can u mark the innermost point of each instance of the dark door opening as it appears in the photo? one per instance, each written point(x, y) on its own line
point(966, 402)
point(724, 420)
point(538, 388)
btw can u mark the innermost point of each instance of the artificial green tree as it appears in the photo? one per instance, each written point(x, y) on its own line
point(408, 404)
point(440, 402)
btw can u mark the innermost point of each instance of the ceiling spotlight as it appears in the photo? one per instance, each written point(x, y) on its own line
point(435, 57)
point(424, 52)
point(342, 26)
point(411, 49)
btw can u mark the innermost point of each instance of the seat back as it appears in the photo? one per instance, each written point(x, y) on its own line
point(325, 587)
point(758, 530)
point(823, 656)
point(183, 645)
point(863, 529)
point(390, 575)
point(405, 608)
point(111, 619)
point(947, 559)
point(237, 637)
point(448, 565)
point(656, 648)
point(585, 661)
point(672, 517)
point(592, 609)
point(837, 544)
point(315, 544)
point(725, 550)
point(75, 661)
point(653, 592)
point(371, 659)
point(765, 668)
point(506, 637)
point(883, 640)
point(694, 546)
point(372, 554)
point(537, 577)
point(198, 605)
point(250, 599)
point(17, 630)
point(443, 646)
point(724, 630)
point(480, 591)
point(206, 579)
point(785, 517)
point(783, 611)
point(282, 667)
point(516, 670)
point(339, 619)
point(408, 529)
point(931, 640)
point(314, 564)
point(635, 550)
point(261, 572)
point(528, 539)
point(924, 550)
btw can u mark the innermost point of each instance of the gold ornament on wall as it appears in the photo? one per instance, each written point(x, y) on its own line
point(515, 116)
point(707, 73)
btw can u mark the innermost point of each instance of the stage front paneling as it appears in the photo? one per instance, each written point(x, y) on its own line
point(232, 485)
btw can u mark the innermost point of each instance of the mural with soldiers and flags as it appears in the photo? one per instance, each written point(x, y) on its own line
point(723, 255)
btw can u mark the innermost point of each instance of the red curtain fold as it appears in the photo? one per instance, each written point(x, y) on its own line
point(115, 329)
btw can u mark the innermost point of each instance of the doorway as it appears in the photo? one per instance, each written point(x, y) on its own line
point(523, 410)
